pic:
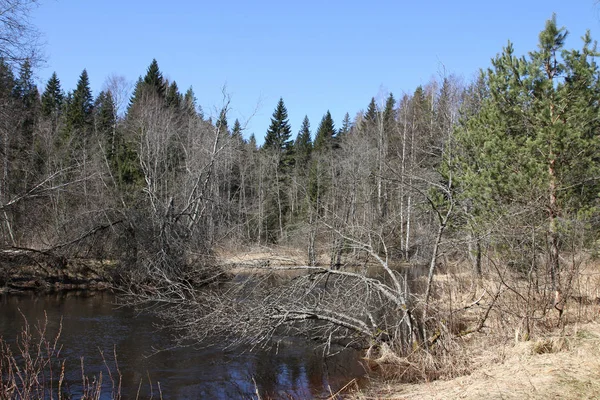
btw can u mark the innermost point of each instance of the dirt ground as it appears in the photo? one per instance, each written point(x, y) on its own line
point(563, 366)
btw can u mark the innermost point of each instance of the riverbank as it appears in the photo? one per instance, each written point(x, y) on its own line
point(563, 364)
point(26, 270)
point(485, 350)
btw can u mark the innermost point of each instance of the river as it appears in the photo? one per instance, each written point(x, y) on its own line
point(93, 324)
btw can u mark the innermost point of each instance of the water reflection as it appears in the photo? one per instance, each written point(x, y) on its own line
point(93, 324)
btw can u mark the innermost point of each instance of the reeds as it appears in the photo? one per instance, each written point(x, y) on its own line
point(32, 368)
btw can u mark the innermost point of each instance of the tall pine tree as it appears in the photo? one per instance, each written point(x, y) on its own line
point(80, 107)
point(154, 79)
point(52, 98)
point(303, 146)
point(325, 136)
point(533, 144)
point(279, 132)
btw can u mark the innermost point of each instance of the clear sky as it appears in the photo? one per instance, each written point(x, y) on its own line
point(317, 55)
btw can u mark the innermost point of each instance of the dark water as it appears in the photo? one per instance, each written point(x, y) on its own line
point(93, 324)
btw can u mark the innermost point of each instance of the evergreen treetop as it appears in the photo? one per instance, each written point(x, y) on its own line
point(325, 135)
point(279, 132)
point(303, 145)
point(25, 89)
point(154, 79)
point(104, 112)
point(389, 112)
point(346, 126)
point(81, 104)
point(533, 138)
point(236, 131)
point(189, 102)
point(173, 98)
point(371, 114)
point(53, 97)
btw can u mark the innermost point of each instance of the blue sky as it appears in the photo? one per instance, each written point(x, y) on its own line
point(317, 55)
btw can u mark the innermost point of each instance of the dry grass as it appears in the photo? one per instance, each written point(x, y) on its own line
point(250, 256)
point(523, 350)
point(494, 337)
point(564, 367)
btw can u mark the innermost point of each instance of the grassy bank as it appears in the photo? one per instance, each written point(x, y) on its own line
point(501, 338)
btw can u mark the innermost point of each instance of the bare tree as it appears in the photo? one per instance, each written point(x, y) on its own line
point(120, 89)
point(334, 306)
point(19, 39)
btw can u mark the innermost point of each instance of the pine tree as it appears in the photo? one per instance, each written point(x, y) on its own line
point(28, 105)
point(278, 150)
point(80, 106)
point(189, 102)
point(324, 138)
point(173, 98)
point(27, 94)
point(321, 174)
point(346, 126)
point(420, 118)
point(303, 146)
point(236, 132)
point(105, 122)
point(52, 98)
point(533, 143)
point(279, 132)
point(25, 89)
point(389, 112)
point(372, 111)
point(153, 84)
point(154, 79)
point(136, 96)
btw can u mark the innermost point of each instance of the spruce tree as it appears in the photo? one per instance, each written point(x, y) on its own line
point(80, 106)
point(7, 82)
point(346, 126)
point(25, 89)
point(278, 151)
point(371, 114)
point(303, 146)
point(389, 112)
point(27, 106)
point(324, 138)
point(189, 102)
point(104, 114)
point(236, 131)
point(52, 98)
point(153, 84)
point(421, 116)
point(136, 96)
point(173, 98)
point(154, 79)
point(321, 176)
point(279, 132)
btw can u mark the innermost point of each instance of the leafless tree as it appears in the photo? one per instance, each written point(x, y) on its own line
point(347, 307)
point(120, 89)
point(19, 39)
